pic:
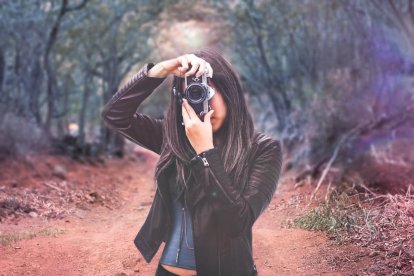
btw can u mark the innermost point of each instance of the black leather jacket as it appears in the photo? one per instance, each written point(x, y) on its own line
point(223, 212)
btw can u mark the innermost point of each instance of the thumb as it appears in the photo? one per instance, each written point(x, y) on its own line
point(207, 116)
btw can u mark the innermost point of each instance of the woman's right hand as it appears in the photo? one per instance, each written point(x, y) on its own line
point(180, 67)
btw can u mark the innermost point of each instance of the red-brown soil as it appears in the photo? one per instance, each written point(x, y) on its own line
point(109, 206)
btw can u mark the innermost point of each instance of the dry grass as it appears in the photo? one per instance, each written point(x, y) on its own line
point(383, 225)
point(11, 238)
point(57, 199)
point(340, 212)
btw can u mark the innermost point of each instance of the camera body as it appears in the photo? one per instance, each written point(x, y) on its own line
point(197, 92)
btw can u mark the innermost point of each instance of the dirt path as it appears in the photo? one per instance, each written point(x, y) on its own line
point(100, 241)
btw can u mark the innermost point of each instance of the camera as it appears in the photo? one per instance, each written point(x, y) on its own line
point(197, 92)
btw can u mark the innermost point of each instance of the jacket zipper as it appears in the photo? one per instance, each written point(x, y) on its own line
point(207, 167)
point(215, 179)
point(192, 227)
point(206, 164)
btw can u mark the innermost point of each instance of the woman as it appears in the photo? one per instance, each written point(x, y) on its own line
point(215, 175)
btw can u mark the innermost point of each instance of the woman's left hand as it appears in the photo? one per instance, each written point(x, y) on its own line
point(199, 133)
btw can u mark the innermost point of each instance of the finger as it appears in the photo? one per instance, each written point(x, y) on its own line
point(185, 61)
point(186, 117)
point(202, 69)
point(194, 68)
point(190, 111)
point(207, 117)
point(210, 69)
point(184, 64)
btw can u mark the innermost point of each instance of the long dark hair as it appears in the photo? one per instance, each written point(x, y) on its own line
point(237, 130)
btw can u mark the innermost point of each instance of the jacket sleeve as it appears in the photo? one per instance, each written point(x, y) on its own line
point(120, 112)
point(237, 211)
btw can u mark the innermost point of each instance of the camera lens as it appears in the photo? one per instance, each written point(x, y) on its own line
point(196, 93)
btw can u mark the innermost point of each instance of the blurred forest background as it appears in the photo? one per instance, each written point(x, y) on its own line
point(332, 79)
